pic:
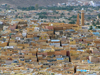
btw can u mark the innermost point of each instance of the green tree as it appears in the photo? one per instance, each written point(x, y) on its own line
point(16, 16)
point(88, 23)
point(15, 10)
point(36, 6)
point(59, 21)
point(73, 16)
point(62, 14)
point(68, 13)
point(89, 18)
point(64, 22)
point(90, 28)
point(99, 15)
point(8, 6)
point(69, 18)
point(97, 22)
point(18, 7)
point(44, 20)
point(93, 23)
point(72, 22)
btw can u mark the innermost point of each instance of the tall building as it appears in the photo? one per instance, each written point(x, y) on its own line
point(78, 23)
point(82, 17)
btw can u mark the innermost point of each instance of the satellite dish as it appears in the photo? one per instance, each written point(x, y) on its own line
point(51, 24)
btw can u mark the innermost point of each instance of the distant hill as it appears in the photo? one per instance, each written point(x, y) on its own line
point(26, 3)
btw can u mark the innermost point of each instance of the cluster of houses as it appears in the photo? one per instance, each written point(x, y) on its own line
point(81, 3)
point(36, 48)
point(74, 3)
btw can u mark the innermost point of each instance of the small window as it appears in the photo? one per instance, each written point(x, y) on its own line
point(22, 59)
point(30, 30)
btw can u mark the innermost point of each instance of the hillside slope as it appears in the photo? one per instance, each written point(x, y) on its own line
point(25, 3)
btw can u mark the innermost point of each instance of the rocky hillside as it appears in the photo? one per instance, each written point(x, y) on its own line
point(25, 3)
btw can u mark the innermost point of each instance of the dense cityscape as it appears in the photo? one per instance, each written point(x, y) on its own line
point(56, 39)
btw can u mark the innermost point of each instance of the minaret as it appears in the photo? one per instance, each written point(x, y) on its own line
point(78, 23)
point(82, 17)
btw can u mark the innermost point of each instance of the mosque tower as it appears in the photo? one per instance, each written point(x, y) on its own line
point(78, 19)
point(82, 17)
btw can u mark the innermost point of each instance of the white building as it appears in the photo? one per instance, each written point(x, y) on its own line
point(95, 4)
